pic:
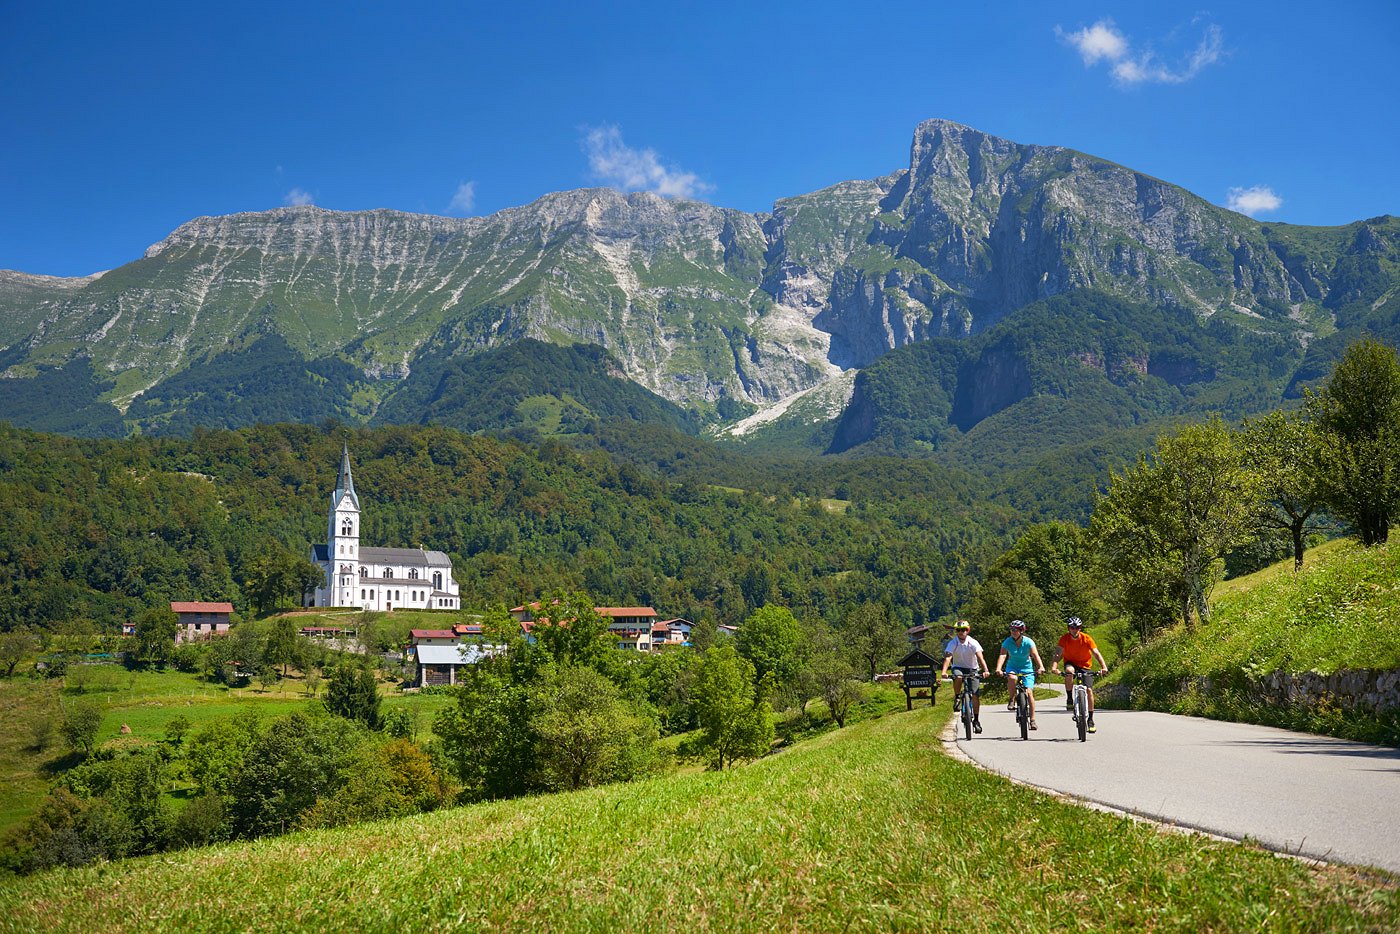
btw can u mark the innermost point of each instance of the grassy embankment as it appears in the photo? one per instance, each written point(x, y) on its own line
point(1341, 612)
point(145, 701)
point(870, 827)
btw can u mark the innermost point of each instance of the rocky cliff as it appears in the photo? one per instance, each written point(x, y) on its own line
point(719, 310)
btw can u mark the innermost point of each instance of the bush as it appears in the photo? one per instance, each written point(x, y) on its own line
point(81, 722)
point(200, 822)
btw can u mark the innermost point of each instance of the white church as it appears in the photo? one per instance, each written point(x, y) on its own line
point(376, 578)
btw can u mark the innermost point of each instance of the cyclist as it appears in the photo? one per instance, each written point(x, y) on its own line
point(1077, 648)
point(964, 655)
point(1021, 660)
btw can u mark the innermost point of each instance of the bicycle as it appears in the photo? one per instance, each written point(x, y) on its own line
point(1022, 704)
point(962, 702)
point(1079, 702)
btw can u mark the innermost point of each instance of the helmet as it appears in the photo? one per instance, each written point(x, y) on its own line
point(1076, 623)
point(1018, 624)
point(964, 625)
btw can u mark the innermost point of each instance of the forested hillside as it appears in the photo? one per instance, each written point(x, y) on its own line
point(96, 530)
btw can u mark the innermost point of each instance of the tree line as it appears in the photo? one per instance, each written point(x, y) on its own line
point(1160, 536)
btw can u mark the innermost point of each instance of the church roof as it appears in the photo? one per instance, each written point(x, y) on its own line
point(404, 556)
point(433, 559)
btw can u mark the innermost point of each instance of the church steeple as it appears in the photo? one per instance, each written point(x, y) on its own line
point(346, 485)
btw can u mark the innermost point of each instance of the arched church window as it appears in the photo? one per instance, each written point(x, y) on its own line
point(437, 580)
point(413, 574)
point(389, 572)
point(346, 528)
point(364, 572)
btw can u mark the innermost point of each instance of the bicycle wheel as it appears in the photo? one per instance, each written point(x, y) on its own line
point(1081, 713)
point(1023, 715)
point(967, 716)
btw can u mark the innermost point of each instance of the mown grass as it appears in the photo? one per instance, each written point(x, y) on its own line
point(867, 828)
point(1342, 611)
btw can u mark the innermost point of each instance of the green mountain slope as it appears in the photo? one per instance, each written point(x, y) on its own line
point(716, 310)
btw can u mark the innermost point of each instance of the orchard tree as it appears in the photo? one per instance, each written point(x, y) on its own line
point(1283, 450)
point(155, 636)
point(830, 672)
point(15, 646)
point(874, 636)
point(81, 723)
point(283, 645)
point(1170, 519)
point(1357, 415)
point(736, 722)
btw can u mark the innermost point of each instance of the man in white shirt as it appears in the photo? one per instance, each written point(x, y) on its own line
point(964, 656)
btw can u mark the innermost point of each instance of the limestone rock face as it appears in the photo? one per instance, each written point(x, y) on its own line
point(700, 304)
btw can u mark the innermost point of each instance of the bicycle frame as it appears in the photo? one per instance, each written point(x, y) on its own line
point(1083, 684)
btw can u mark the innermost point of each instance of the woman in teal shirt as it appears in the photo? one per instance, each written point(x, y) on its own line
point(1020, 659)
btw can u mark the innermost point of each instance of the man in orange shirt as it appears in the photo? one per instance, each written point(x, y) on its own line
point(1078, 649)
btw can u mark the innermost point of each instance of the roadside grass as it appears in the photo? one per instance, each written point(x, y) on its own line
point(1342, 611)
point(867, 828)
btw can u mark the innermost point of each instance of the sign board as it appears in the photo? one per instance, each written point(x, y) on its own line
point(918, 677)
point(919, 674)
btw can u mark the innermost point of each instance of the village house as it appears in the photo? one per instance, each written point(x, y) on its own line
point(200, 621)
point(440, 654)
point(440, 664)
point(636, 627)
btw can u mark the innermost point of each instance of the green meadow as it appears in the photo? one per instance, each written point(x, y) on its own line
point(871, 827)
point(145, 702)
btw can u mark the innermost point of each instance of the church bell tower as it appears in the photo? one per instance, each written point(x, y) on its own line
point(343, 572)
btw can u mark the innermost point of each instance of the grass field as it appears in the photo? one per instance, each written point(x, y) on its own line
point(867, 828)
point(144, 701)
point(1341, 612)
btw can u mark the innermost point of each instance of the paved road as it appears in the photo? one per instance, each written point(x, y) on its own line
point(1312, 795)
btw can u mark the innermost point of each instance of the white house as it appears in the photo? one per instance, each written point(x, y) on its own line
point(376, 578)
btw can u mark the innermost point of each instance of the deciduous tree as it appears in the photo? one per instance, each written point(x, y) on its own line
point(155, 636)
point(1358, 418)
point(1283, 450)
point(1169, 520)
point(737, 723)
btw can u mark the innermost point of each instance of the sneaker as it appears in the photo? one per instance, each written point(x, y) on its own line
point(1092, 728)
point(1011, 705)
point(1033, 726)
point(977, 726)
point(1069, 705)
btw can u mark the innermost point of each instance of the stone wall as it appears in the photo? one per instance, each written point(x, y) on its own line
point(1358, 689)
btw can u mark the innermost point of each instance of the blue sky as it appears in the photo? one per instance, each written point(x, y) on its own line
point(118, 122)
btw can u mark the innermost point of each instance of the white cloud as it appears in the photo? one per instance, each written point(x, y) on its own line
point(1100, 40)
point(1104, 42)
point(297, 197)
point(464, 199)
point(1254, 200)
point(628, 169)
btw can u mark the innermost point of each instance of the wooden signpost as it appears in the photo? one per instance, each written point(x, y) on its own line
point(918, 673)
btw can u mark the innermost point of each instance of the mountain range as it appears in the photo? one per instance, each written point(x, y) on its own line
point(987, 283)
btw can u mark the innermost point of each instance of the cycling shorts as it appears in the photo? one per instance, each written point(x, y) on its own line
point(973, 684)
point(1027, 678)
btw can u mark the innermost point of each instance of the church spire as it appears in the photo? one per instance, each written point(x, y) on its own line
point(346, 484)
